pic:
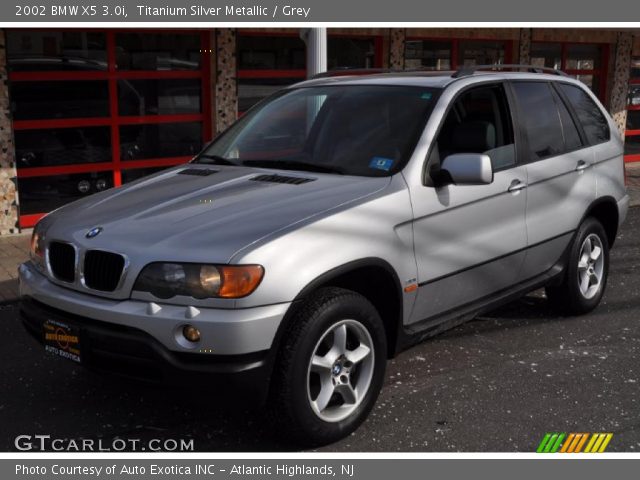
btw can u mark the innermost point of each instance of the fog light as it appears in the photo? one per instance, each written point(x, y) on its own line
point(191, 333)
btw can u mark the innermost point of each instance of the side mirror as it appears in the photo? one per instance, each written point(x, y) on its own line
point(467, 169)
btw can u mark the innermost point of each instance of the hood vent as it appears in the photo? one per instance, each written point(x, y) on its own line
point(198, 172)
point(282, 179)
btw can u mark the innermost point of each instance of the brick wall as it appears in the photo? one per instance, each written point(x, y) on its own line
point(620, 79)
point(8, 196)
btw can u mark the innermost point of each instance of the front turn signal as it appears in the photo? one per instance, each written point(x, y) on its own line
point(239, 280)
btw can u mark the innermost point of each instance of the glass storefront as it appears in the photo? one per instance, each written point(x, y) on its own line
point(632, 133)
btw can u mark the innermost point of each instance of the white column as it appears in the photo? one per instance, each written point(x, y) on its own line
point(316, 41)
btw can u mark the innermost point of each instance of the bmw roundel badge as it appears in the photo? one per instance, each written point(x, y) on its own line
point(93, 232)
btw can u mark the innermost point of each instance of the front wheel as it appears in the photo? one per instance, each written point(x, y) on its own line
point(330, 368)
point(587, 270)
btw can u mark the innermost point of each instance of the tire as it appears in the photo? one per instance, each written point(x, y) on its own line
point(302, 404)
point(571, 297)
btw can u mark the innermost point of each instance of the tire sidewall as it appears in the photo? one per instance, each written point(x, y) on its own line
point(588, 227)
point(348, 307)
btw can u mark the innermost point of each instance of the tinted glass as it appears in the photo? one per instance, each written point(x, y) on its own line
point(43, 194)
point(479, 122)
point(356, 130)
point(160, 140)
point(61, 99)
point(433, 55)
point(147, 51)
point(635, 67)
point(350, 52)
point(633, 120)
point(62, 146)
point(570, 133)
point(257, 52)
point(546, 55)
point(632, 145)
point(634, 95)
point(158, 97)
point(593, 121)
point(540, 119)
point(38, 50)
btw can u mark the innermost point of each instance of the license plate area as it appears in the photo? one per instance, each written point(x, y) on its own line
point(62, 339)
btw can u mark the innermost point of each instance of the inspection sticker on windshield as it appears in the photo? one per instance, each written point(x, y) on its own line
point(381, 163)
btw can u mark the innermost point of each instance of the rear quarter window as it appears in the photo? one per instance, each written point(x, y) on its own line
point(594, 123)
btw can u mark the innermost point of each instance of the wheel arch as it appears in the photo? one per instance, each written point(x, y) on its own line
point(373, 278)
point(605, 210)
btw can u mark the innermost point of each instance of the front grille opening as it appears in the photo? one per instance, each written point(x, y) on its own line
point(62, 260)
point(102, 270)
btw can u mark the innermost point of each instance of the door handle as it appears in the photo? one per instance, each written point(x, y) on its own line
point(516, 186)
point(582, 165)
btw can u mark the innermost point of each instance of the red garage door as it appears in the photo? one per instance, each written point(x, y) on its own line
point(96, 109)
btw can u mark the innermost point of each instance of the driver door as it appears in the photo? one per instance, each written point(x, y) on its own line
point(470, 240)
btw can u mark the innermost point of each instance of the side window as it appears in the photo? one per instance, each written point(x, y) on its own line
point(593, 122)
point(540, 119)
point(570, 133)
point(479, 121)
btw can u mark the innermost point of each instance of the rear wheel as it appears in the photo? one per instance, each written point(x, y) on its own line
point(587, 270)
point(331, 367)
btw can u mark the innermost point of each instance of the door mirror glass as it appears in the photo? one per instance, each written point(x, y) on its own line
point(466, 169)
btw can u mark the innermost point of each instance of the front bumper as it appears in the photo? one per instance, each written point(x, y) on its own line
point(125, 338)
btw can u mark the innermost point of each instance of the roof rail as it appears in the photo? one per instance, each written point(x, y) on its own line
point(470, 70)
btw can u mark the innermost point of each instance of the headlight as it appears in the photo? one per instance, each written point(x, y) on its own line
point(36, 252)
point(166, 280)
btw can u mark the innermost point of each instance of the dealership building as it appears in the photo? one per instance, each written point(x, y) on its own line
point(85, 110)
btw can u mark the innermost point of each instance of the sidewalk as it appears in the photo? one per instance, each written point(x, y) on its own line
point(14, 249)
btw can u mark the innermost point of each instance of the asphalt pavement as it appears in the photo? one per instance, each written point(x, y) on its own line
point(498, 383)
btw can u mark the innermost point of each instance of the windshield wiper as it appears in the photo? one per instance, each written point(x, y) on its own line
point(293, 165)
point(214, 159)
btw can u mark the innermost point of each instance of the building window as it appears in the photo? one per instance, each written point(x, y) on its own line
point(269, 62)
point(439, 54)
point(93, 110)
point(632, 132)
point(584, 61)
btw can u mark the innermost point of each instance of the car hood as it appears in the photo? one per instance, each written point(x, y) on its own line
point(191, 217)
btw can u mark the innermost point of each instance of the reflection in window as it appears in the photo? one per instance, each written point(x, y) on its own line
point(62, 146)
point(270, 53)
point(593, 122)
point(430, 54)
point(350, 53)
point(473, 52)
point(39, 50)
point(43, 194)
point(160, 140)
point(158, 97)
point(546, 55)
point(632, 145)
point(144, 51)
point(634, 95)
point(583, 57)
point(252, 90)
point(61, 99)
point(633, 120)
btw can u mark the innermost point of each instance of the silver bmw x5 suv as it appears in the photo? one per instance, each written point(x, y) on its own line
point(335, 224)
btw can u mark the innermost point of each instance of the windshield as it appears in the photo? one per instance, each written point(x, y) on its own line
point(351, 130)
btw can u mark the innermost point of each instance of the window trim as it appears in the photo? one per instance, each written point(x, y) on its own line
point(578, 124)
point(426, 168)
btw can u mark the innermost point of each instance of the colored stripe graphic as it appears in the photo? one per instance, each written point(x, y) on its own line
point(556, 442)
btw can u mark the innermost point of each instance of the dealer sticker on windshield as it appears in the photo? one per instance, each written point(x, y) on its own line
point(62, 340)
point(381, 163)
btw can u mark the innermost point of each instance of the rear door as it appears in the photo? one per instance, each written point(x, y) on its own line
point(561, 179)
